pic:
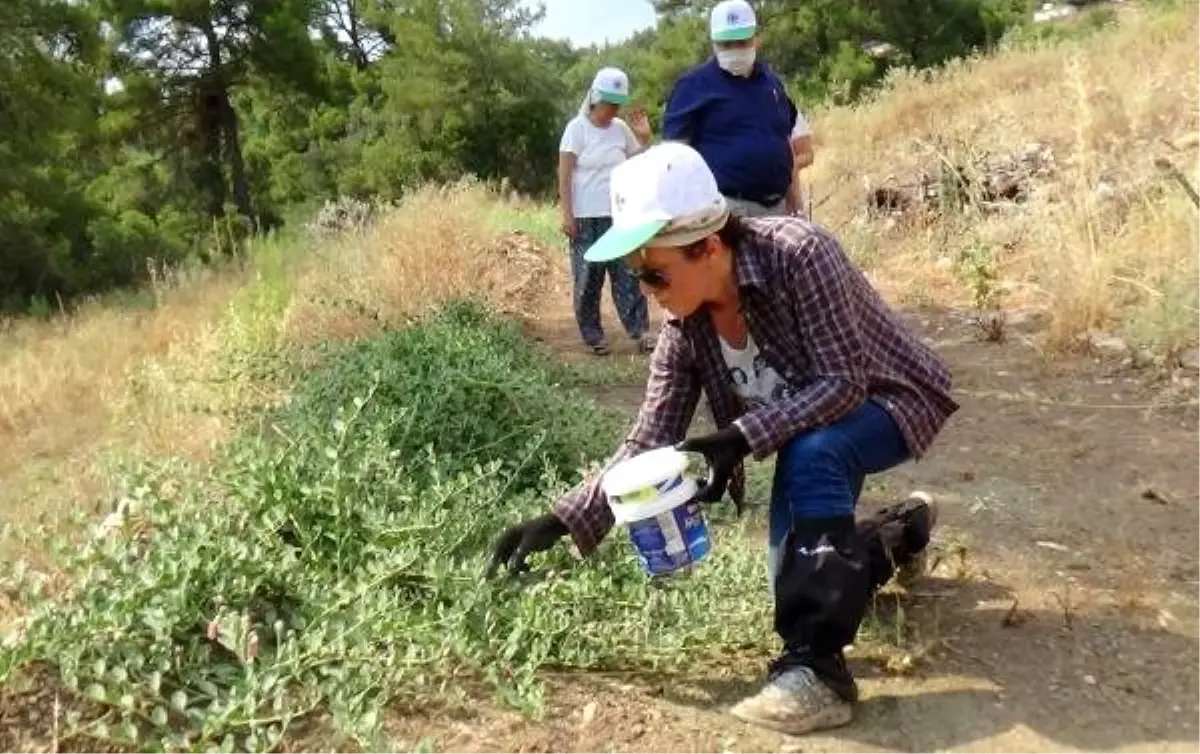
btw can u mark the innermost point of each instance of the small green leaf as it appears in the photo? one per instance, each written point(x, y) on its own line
point(73, 716)
point(97, 693)
point(100, 731)
point(155, 681)
point(99, 668)
point(179, 700)
point(159, 717)
point(369, 720)
point(127, 702)
point(128, 730)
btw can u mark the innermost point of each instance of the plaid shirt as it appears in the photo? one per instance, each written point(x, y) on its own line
point(820, 324)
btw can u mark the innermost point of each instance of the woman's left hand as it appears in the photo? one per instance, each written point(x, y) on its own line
point(639, 123)
point(723, 450)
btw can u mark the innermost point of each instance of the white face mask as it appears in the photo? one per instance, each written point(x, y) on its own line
point(739, 61)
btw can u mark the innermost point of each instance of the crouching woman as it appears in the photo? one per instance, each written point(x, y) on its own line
point(799, 357)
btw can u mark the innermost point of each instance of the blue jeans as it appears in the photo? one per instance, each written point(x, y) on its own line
point(589, 283)
point(820, 474)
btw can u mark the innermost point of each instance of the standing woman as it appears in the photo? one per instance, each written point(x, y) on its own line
point(593, 143)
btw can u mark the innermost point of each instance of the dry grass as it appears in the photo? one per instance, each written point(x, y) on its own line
point(110, 381)
point(73, 387)
point(1106, 242)
point(439, 244)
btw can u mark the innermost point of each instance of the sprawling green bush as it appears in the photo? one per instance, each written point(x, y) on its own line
point(470, 387)
point(335, 562)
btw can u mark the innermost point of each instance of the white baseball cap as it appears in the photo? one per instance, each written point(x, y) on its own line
point(666, 193)
point(732, 20)
point(611, 85)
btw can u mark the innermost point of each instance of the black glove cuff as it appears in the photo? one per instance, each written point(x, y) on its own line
point(736, 439)
point(552, 524)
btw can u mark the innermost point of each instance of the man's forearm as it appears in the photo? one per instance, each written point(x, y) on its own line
point(802, 157)
point(794, 199)
point(802, 153)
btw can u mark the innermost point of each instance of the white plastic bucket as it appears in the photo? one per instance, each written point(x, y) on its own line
point(650, 495)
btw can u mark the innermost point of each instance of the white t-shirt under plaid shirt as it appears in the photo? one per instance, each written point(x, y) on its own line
point(597, 151)
point(754, 381)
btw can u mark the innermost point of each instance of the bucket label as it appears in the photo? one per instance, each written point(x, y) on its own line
point(638, 497)
point(665, 487)
point(672, 540)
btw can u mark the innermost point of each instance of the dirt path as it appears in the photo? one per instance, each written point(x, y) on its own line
point(1061, 614)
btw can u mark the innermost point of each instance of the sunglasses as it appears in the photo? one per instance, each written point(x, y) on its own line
point(655, 278)
point(651, 277)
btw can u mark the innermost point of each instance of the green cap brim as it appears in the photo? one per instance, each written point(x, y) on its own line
point(617, 243)
point(612, 97)
point(733, 35)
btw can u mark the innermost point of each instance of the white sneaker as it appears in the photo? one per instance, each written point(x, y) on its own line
point(796, 702)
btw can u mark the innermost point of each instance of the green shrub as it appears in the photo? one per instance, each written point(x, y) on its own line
point(335, 563)
point(471, 387)
point(1087, 23)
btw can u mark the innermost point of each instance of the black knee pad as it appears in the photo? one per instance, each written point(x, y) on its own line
point(822, 590)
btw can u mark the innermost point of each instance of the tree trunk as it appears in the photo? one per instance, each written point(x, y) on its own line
point(360, 55)
point(228, 123)
point(211, 176)
point(237, 165)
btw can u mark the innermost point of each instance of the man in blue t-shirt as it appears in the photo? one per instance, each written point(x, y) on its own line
point(735, 112)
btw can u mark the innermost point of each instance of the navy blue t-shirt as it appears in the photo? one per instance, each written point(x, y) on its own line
point(742, 126)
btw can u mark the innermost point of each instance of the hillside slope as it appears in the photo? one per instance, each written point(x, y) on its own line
point(1011, 207)
point(1099, 236)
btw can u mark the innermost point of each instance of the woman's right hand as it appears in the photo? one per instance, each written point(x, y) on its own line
point(520, 541)
point(568, 225)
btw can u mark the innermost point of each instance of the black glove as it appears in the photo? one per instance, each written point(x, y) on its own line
point(723, 450)
point(519, 541)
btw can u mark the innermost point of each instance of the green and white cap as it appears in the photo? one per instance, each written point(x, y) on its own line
point(611, 85)
point(666, 194)
point(732, 20)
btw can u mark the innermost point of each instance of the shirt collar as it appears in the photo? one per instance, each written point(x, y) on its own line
point(747, 265)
